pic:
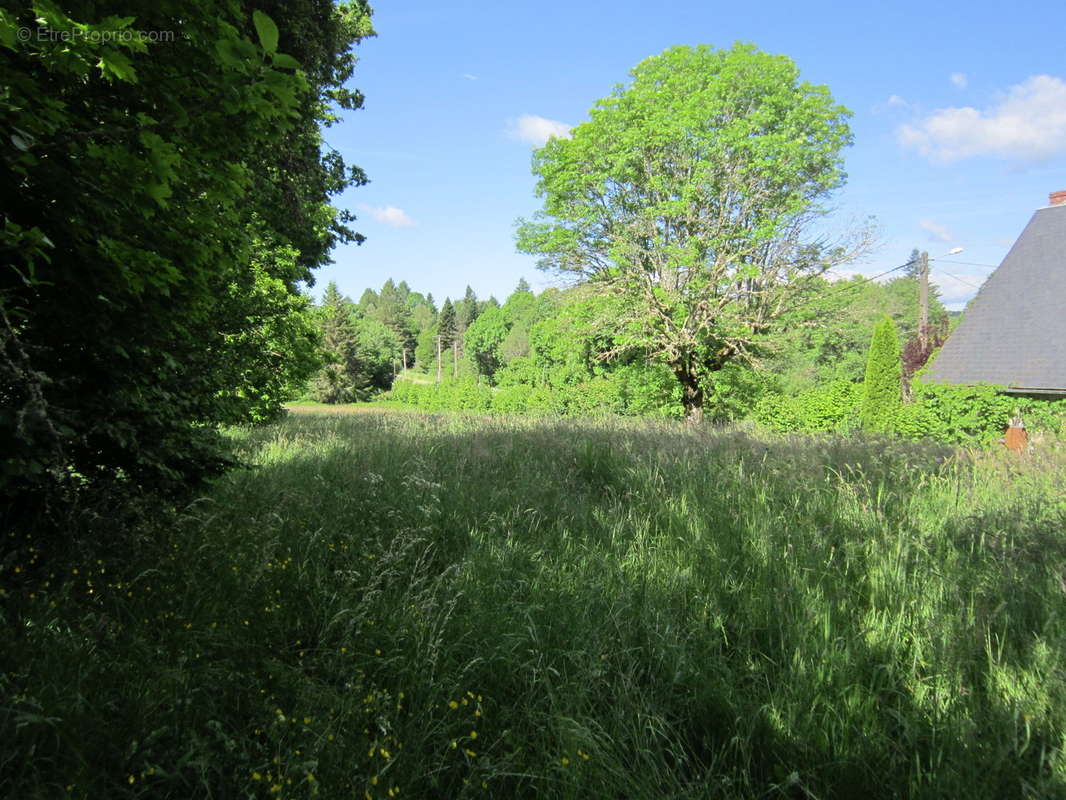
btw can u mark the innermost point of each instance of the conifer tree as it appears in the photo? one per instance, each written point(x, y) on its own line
point(446, 325)
point(467, 311)
point(342, 379)
point(914, 264)
point(882, 388)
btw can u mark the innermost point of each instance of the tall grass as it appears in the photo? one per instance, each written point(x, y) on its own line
point(444, 606)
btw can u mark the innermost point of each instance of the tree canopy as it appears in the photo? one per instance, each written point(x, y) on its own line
point(160, 203)
point(689, 198)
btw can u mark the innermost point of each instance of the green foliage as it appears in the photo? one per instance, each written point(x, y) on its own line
point(160, 204)
point(974, 415)
point(426, 350)
point(466, 311)
point(272, 337)
point(446, 326)
point(882, 391)
point(483, 340)
point(379, 349)
point(687, 197)
point(828, 337)
point(452, 394)
point(391, 309)
point(343, 377)
point(957, 415)
point(637, 390)
point(833, 407)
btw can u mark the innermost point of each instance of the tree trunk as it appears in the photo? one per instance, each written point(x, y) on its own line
point(691, 394)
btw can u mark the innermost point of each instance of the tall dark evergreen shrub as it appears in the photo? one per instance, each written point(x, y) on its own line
point(882, 393)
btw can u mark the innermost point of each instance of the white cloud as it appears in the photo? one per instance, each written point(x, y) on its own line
point(959, 79)
point(1028, 123)
point(389, 215)
point(936, 231)
point(893, 103)
point(534, 130)
point(469, 77)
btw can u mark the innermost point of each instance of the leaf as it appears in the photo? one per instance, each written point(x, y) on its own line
point(116, 64)
point(267, 30)
point(7, 31)
point(285, 61)
point(159, 192)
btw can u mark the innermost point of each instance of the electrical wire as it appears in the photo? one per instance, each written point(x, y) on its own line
point(852, 285)
point(961, 280)
point(967, 263)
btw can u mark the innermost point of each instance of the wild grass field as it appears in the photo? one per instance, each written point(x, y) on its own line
point(389, 605)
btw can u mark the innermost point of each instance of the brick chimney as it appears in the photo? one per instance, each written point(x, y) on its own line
point(1057, 198)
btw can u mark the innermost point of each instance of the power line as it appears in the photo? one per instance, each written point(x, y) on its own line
point(852, 284)
point(960, 280)
point(967, 263)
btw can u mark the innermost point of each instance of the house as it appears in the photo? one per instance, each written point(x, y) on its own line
point(1014, 332)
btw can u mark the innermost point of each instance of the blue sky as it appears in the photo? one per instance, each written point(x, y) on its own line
point(959, 123)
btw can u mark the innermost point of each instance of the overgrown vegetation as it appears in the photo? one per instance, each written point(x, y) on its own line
point(439, 606)
point(164, 189)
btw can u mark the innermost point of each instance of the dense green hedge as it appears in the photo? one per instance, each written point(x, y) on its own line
point(623, 392)
point(833, 407)
point(952, 414)
point(966, 415)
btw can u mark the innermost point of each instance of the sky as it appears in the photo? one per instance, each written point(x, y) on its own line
point(959, 119)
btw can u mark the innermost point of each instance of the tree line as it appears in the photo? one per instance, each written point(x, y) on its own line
point(552, 347)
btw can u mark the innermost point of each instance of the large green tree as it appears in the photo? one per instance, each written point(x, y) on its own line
point(162, 198)
point(484, 338)
point(689, 198)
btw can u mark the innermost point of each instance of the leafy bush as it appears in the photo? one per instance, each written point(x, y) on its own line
point(602, 394)
point(833, 407)
point(512, 399)
point(968, 415)
point(973, 414)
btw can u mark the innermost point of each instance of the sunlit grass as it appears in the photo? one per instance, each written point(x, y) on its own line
point(442, 606)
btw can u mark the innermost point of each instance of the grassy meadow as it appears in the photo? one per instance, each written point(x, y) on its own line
point(410, 605)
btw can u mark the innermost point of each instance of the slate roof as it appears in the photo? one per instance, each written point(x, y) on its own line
point(1014, 331)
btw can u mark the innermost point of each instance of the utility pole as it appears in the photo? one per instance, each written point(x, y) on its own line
point(438, 357)
point(923, 302)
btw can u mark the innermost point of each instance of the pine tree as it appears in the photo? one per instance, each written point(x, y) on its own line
point(367, 301)
point(914, 264)
point(882, 389)
point(446, 325)
point(342, 379)
point(391, 310)
point(467, 311)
